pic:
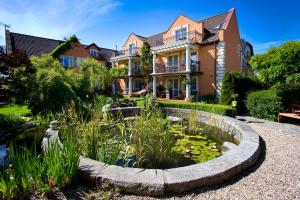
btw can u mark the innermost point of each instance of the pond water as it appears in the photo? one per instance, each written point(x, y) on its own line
point(191, 147)
point(3, 151)
point(27, 138)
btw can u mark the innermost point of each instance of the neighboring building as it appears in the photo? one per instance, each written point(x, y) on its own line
point(246, 54)
point(36, 46)
point(189, 58)
point(101, 54)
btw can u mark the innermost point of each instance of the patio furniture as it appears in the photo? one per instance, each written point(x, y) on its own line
point(139, 93)
point(294, 114)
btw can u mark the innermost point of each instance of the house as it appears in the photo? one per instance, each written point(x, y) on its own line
point(36, 46)
point(189, 58)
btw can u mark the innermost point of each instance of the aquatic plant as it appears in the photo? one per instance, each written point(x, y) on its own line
point(30, 172)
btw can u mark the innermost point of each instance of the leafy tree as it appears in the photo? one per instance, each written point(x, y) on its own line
point(16, 75)
point(80, 83)
point(97, 72)
point(146, 62)
point(117, 72)
point(51, 89)
point(279, 65)
point(235, 86)
point(46, 62)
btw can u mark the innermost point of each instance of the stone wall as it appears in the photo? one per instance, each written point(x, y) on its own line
point(176, 180)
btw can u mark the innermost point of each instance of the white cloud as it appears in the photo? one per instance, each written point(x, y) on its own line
point(263, 47)
point(54, 18)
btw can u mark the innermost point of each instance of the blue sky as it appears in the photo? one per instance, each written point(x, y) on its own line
point(108, 23)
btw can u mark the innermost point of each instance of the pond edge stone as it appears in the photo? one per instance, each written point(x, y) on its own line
point(157, 182)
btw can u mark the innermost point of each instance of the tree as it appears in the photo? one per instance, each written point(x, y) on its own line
point(235, 86)
point(51, 89)
point(279, 65)
point(98, 73)
point(146, 62)
point(16, 74)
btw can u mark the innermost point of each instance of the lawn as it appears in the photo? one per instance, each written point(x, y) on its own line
point(14, 109)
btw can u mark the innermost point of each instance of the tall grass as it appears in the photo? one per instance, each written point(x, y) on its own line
point(151, 138)
point(30, 172)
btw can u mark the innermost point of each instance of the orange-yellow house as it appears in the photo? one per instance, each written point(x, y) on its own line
point(189, 58)
point(36, 46)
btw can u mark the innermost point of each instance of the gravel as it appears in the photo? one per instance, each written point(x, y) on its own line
point(275, 176)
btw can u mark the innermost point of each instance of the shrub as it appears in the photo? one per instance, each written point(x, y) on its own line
point(265, 104)
point(237, 83)
point(80, 83)
point(52, 91)
point(210, 98)
point(212, 108)
point(290, 93)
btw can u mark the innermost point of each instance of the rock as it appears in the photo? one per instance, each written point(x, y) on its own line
point(105, 108)
point(131, 118)
point(228, 146)
point(174, 119)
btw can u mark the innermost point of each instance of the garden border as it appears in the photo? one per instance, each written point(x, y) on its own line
point(155, 182)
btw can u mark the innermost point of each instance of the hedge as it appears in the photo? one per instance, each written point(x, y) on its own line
point(212, 108)
point(265, 104)
point(237, 83)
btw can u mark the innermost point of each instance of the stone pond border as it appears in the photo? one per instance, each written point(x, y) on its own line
point(156, 182)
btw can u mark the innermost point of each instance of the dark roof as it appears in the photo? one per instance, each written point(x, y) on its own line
point(33, 45)
point(212, 26)
point(106, 54)
point(157, 37)
point(103, 53)
point(141, 37)
point(211, 23)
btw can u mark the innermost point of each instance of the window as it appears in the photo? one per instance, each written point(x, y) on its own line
point(137, 68)
point(66, 61)
point(173, 61)
point(94, 52)
point(79, 60)
point(194, 61)
point(194, 86)
point(132, 48)
point(172, 65)
point(181, 34)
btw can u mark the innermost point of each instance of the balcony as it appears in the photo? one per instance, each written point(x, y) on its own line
point(125, 53)
point(179, 69)
point(189, 37)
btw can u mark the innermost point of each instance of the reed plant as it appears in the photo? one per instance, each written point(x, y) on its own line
point(30, 172)
point(151, 138)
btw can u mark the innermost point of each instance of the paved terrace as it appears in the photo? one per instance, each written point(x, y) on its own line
point(275, 176)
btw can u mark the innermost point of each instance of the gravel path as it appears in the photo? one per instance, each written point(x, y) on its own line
point(275, 176)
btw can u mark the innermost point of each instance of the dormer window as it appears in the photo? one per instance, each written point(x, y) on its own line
point(181, 34)
point(94, 52)
point(217, 27)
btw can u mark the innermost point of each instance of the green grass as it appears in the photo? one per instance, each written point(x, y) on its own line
point(13, 109)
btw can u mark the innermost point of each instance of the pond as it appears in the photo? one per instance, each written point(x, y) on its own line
point(191, 147)
point(26, 138)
